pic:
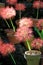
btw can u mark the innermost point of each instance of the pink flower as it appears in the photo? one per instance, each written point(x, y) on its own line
point(12, 2)
point(7, 12)
point(40, 24)
point(38, 4)
point(6, 48)
point(20, 6)
point(26, 22)
point(1, 10)
point(23, 33)
point(41, 5)
point(37, 43)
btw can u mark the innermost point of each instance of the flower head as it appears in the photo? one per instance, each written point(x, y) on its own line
point(12, 2)
point(37, 43)
point(7, 12)
point(20, 6)
point(41, 5)
point(36, 4)
point(23, 33)
point(6, 48)
point(26, 22)
point(40, 24)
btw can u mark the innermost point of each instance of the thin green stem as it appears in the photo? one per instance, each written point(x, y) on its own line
point(38, 10)
point(12, 25)
point(7, 23)
point(20, 14)
point(28, 44)
point(12, 58)
point(37, 13)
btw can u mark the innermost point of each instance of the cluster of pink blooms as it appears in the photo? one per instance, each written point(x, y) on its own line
point(7, 12)
point(24, 31)
point(37, 43)
point(26, 22)
point(40, 24)
point(6, 48)
point(12, 2)
point(20, 6)
point(37, 4)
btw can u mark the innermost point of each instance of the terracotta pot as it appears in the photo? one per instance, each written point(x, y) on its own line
point(10, 34)
point(32, 57)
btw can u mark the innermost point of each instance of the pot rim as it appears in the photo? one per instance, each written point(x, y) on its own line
point(36, 52)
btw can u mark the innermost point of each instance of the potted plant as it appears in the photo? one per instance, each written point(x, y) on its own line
point(32, 57)
point(24, 34)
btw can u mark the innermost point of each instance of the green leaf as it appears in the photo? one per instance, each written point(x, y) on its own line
point(37, 30)
point(42, 34)
point(28, 44)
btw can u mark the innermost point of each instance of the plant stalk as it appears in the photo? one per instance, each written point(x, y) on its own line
point(28, 44)
point(13, 59)
point(7, 23)
point(38, 10)
point(20, 14)
point(12, 25)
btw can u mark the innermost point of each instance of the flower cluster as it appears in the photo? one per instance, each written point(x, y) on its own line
point(37, 43)
point(20, 6)
point(6, 48)
point(40, 24)
point(12, 2)
point(24, 31)
point(37, 4)
point(7, 12)
point(26, 22)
